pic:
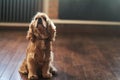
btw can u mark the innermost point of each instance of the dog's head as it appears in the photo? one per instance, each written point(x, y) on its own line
point(41, 19)
point(41, 27)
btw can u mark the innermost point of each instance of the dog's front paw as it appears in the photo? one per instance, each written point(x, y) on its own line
point(48, 75)
point(32, 77)
point(23, 71)
point(53, 70)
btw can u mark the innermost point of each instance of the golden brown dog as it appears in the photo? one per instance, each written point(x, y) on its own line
point(39, 55)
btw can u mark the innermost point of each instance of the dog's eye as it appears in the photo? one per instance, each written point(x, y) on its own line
point(44, 18)
point(36, 18)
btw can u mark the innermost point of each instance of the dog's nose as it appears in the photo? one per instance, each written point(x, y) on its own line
point(39, 21)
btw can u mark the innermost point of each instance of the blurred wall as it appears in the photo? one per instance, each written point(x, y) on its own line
point(24, 10)
point(105, 10)
point(19, 10)
point(53, 9)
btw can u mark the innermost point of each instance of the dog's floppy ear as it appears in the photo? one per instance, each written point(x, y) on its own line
point(52, 30)
point(30, 33)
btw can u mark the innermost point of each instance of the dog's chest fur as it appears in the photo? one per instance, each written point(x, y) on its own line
point(38, 51)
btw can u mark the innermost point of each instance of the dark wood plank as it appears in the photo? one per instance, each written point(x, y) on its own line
point(7, 55)
point(100, 60)
point(77, 57)
point(67, 61)
point(10, 59)
point(110, 50)
point(17, 62)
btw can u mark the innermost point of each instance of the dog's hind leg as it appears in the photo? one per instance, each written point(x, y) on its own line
point(23, 67)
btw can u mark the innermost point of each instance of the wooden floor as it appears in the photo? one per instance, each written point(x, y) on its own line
point(77, 57)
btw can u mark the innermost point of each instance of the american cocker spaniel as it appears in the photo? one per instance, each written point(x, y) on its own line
point(39, 55)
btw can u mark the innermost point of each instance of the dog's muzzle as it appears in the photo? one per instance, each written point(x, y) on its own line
point(39, 22)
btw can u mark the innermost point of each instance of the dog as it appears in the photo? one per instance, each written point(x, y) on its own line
point(39, 55)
